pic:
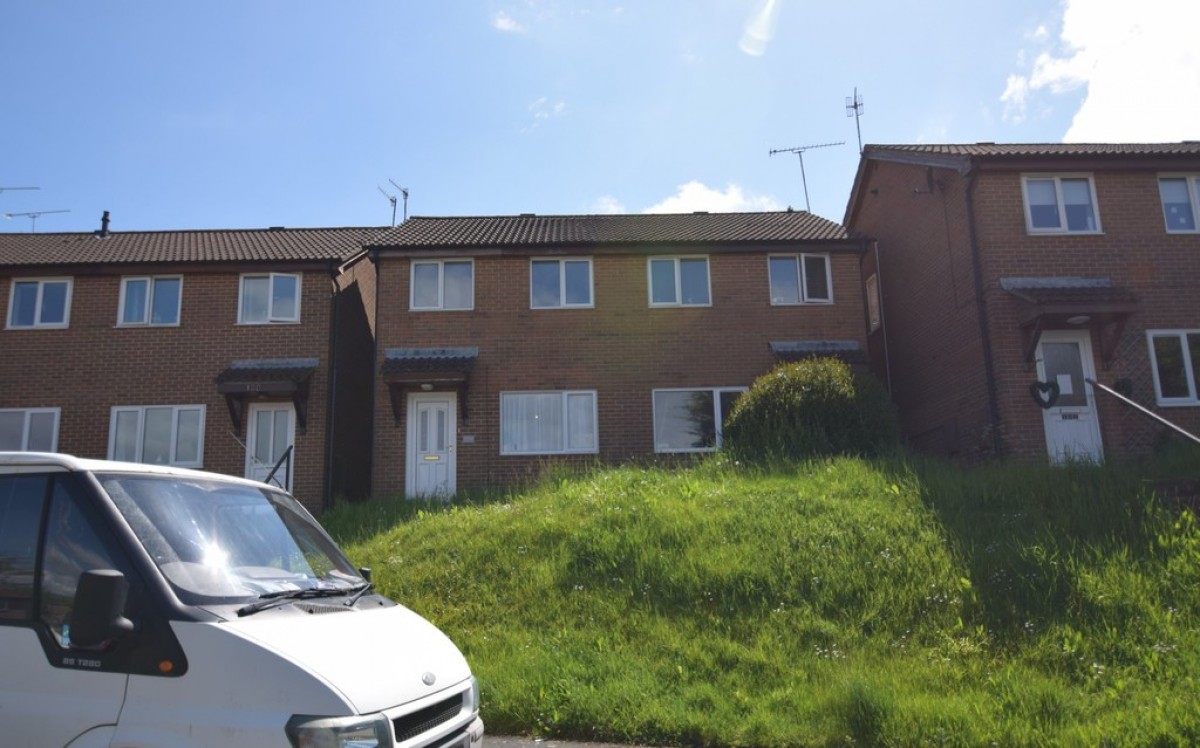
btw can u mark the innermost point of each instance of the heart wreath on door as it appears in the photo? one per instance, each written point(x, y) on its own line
point(1045, 394)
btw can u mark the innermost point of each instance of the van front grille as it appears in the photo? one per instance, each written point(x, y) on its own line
point(422, 720)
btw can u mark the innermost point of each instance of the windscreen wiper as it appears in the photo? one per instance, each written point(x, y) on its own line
point(282, 597)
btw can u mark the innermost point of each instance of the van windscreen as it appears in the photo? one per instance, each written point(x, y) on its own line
point(226, 542)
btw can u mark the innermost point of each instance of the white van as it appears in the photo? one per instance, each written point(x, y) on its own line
point(146, 606)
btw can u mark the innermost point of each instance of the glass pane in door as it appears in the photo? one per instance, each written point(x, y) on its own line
point(1064, 365)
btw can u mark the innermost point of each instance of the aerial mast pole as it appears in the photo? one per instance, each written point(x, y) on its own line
point(799, 151)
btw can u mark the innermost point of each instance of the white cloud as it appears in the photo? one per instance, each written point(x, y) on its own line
point(607, 205)
point(695, 196)
point(543, 108)
point(1140, 71)
point(506, 23)
point(760, 28)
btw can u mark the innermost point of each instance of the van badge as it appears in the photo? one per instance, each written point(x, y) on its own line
point(428, 679)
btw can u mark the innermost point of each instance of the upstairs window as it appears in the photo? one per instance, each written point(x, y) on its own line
point(442, 284)
point(801, 279)
point(29, 430)
point(158, 434)
point(150, 301)
point(269, 298)
point(1175, 356)
point(679, 281)
point(40, 303)
point(1057, 205)
point(559, 284)
point(1181, 202)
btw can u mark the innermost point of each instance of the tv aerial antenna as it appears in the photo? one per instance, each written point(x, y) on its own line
point(854, 108)
point(799, 151)
point(392, 199)
point(33, 215)
point(13, 189)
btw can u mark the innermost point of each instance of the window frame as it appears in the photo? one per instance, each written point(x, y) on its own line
point(1060, 203)
point(37, 324)
point(718, 436)
point(802, 277)
point(874, 303)
point(141, 410)
point(28, 420)
point(1192, 185)
point(272, 318)
point(562, 283)
point(564, 396)
point(148, 307)
point(677, 262)
point(441, 284)
point(1190, 372)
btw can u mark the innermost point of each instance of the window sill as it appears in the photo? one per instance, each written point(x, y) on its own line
point(1060, 232)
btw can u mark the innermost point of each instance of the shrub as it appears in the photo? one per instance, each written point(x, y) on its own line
point(812, 408)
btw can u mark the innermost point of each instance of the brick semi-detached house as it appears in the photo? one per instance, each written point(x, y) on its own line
point(1010, 274)
point(206, 349)
point(507, 343)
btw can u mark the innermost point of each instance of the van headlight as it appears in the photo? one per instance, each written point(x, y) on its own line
point(309, 731)
point(473, 695)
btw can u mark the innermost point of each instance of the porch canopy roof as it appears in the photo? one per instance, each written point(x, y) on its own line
point(284, 378)
point(1056, 302)
point(404, 369)
point(848, 351)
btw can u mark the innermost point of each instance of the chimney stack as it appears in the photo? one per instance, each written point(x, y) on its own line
point(103, 232)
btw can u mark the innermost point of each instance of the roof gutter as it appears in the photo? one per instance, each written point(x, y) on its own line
point(985, 336)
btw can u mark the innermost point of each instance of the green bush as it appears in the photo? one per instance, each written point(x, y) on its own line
point(812, 408)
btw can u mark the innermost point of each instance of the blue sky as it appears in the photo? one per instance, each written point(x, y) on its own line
point(255, 113)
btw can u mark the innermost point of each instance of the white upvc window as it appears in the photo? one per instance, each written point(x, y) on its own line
point(560, 284)
point(269, 298)
point(1060, 204)
point(157, 434)
point(800, 279)
point(1180, 201)
point(679, 281)
point(1175, 358)
point(152, 301)
point(548, 422)
point(29, 429)
point(442, 285)
point(39, 302)
point(692, 420)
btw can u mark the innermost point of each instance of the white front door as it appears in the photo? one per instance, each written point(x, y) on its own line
point(431, 435)
point(1064, 358)
point(270, 430)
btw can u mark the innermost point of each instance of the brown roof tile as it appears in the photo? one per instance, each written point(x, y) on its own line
point(1037, 150)
point(226, 245)
point(591, 230)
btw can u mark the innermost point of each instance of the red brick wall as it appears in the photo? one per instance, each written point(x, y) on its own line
point(933, 334)
point(93, 365)
point(621, 348)
point(929, 307)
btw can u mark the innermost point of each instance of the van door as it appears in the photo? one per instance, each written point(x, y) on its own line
point(49, 693)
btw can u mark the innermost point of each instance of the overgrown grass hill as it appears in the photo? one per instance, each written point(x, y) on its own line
point(839, 602)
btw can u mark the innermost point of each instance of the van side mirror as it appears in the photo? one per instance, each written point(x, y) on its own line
point(97, 616)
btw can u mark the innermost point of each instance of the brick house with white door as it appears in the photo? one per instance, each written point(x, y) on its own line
point(507, 343)
point(212, 349)
point(1002, 277)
